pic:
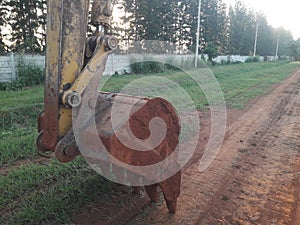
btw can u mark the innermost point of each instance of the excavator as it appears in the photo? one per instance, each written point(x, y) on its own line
point(75, 62)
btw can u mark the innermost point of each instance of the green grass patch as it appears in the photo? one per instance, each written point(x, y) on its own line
point(14, 99)
point(50, 194)
point(20, 108)
point(19, 117)
point(243, 82)
point(14, 148)
point(239, 82)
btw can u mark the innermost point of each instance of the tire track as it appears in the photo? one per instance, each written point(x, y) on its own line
point(252, 181)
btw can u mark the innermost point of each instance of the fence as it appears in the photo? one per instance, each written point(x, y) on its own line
point(115, 63)
point(7, 68)
point(8, 65)
point(242, 59)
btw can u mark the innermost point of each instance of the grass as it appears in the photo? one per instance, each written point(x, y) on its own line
point(251, 81)
point(239, 82)
point(15, 99)
point(17, 148)
point(50, 193)
point(47, 194)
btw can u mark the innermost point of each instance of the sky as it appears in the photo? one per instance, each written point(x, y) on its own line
point(279, 13)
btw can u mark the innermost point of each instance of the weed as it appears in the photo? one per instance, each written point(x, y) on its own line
point(29, 74)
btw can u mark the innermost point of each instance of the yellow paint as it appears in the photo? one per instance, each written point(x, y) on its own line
point(69, 73)
point(65, 121)
point(88, 73)
point(72, 54)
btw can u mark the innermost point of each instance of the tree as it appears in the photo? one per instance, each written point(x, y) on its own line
point(294, 50)
point(175, 21)
point(213, 25)
point(212, 51)
point(285, 38)
point(3, 13)
point(242, 24)
point(27, 20)
point(148, 20)
point(42, 21)
point(267, 38)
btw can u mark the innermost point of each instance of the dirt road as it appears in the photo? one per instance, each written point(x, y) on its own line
point(254, 180)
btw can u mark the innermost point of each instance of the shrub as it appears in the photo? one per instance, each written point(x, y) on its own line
point(225, 62)
point(11, 86)
point(147, 66)
point(256, 59)
point(252, 59)
point(212, 51)
point(236, 62)
point(171, 64)
point(249, 60)
point(29, 74)
point(203, 58)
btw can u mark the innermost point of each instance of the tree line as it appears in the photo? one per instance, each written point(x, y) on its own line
point(224, 30)
point(25, 24)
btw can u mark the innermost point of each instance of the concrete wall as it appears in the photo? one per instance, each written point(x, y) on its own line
point(8, 65)
point(7, 68)
point(238, 58)
point(115, 63)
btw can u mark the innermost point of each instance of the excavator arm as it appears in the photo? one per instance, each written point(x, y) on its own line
point(73, 60)
point(69, 59)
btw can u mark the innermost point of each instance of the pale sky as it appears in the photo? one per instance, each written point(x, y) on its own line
point(284, 13)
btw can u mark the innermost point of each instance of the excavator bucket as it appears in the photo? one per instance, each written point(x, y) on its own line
point(117, 130)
